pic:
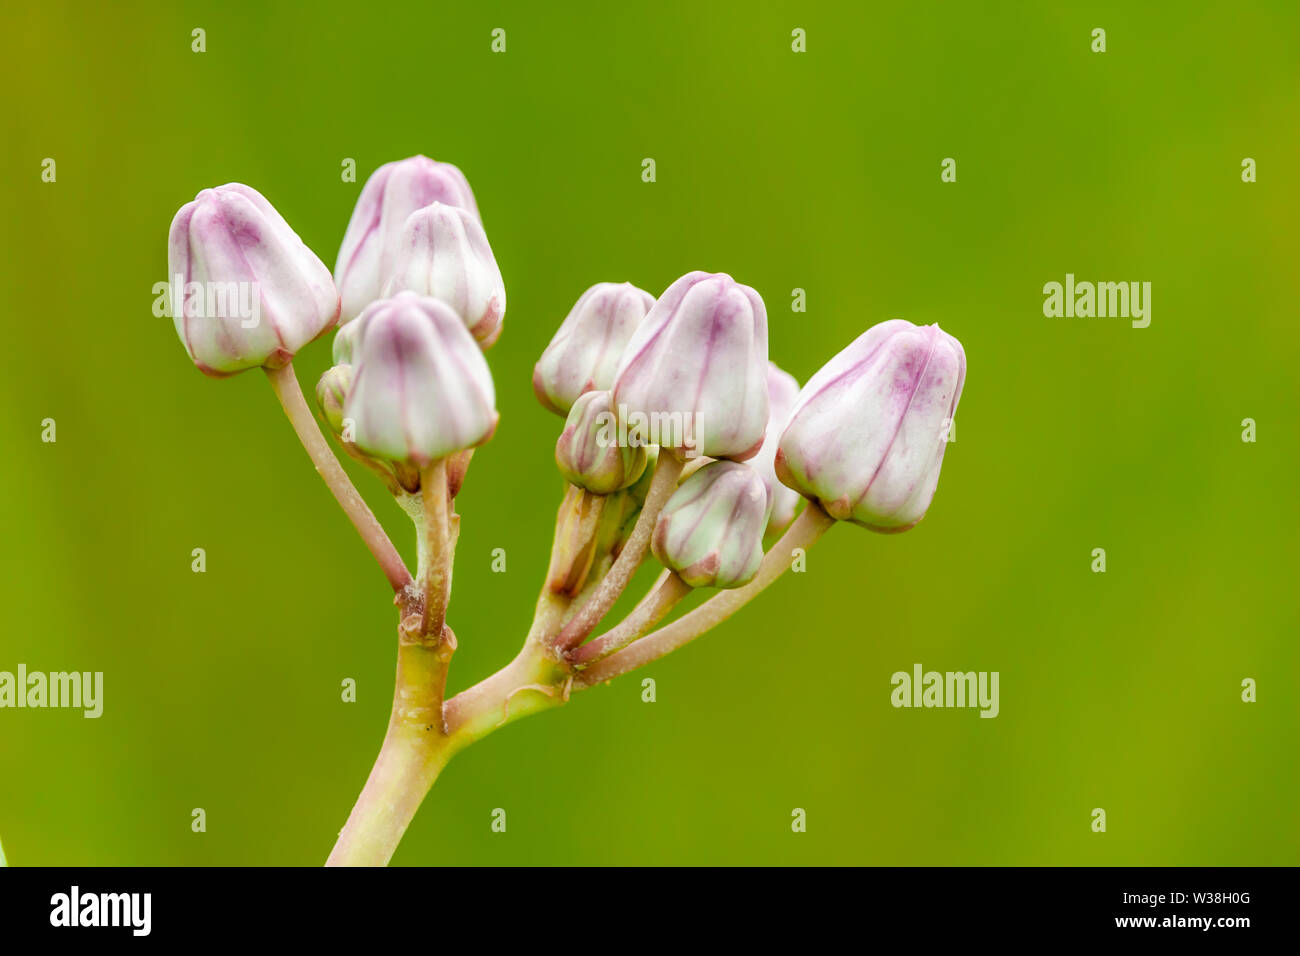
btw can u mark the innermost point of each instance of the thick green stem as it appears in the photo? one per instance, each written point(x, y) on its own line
point(424, 733)
point(415, 750)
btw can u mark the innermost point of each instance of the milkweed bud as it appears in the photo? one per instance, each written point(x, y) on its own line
point(588, 452)
point(711, 530)
point(697, 366)
point(584, 354)
point(246, 291)
point(390, 195)
point(421, 388)
point(867, 434)
point(444, 253)
point(331, 393)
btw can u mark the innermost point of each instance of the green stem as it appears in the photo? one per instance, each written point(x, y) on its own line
point(415, 750)
point(629, 559)
point(807, 528)
point(424, 733)
point(435, 557)
point(663, 597)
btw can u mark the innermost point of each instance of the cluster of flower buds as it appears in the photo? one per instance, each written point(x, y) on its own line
point(637, 378)
point(688, 375)
point(680, 439)
point(422, 295)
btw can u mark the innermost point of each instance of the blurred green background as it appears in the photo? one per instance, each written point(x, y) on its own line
point(816, 170)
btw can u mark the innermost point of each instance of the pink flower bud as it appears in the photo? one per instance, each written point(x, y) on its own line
point(588, 453)
point(421, 388)
point(444, 253)
point(867, 434)
point(711, 530)
point(782, 390)
point(246, 291)
point(584, 354)
point(697, 366)
point(390, 195)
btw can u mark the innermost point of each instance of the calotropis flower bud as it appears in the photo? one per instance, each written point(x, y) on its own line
point(588, 451)
point(421, 388)
point(390, 195)
point(711, 530)
point(867, 434)
point(782, 389)
point(332, 393)
point(444, 253)
point(584, 354)
point(697, 366)
point(246, 291)
point(345, 341)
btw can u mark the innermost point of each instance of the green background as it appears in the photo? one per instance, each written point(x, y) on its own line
point(817, 171)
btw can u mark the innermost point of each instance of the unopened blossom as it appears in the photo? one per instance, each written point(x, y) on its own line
point(246, 291)
point(371, 243)
point(694, 376)
point(345, 340)
point(711, 530)
point(331, 395)
point(421, 388)
point(588, 453)
point(782, 389)
point(444, 253)
point(867, 434)
point(584, 354)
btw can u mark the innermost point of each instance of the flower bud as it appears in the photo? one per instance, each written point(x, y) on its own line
point(588, 451)
point(246, 291)
point(421, 388)
point(331, 393)
point(345, 341)
point(390, 195)
point(583, 356)
point(867, 434)
point(695, 372)
point(444, 253)
point(711, 530)
point(782, 389)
